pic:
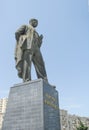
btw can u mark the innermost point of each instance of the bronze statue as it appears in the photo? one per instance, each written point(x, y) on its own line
point(28, 43)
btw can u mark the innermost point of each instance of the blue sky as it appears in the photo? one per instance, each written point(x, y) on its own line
point(65, 26)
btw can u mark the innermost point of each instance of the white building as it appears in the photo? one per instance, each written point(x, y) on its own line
point(3, 103)
point(71, 122)
point(64, 120)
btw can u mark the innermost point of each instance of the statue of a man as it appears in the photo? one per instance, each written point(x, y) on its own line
point(28, 43)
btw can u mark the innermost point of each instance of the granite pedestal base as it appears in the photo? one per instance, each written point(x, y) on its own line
point(32, 106)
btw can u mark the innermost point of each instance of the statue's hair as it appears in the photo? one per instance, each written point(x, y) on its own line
point(33, 20)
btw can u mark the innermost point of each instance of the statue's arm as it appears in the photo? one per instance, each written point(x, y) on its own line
point(20, 31)
point(39, 39)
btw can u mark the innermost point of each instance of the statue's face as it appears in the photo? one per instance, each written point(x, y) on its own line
point(34, 23)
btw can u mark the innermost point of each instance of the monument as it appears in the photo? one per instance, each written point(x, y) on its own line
point(33, 104)
point(28, 51)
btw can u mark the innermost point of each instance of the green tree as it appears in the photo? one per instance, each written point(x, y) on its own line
point(82, 126)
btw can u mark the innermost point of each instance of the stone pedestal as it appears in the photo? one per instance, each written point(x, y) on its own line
point(32, 106)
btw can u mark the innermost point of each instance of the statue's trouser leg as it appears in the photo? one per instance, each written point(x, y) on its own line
point(27, 66)
point(39, 65)
point(20, 69)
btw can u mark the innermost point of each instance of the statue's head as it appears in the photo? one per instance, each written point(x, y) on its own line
point(33, 22)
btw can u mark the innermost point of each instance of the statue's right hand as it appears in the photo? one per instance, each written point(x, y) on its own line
point(15, 58)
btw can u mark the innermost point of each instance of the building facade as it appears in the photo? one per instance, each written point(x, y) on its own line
point(3, 103)
point(71, 122)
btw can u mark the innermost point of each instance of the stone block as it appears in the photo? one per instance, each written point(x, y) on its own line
point(32, 106)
